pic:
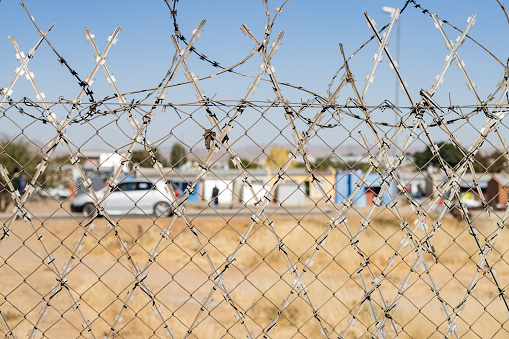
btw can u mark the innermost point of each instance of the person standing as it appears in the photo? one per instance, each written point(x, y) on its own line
point(18, 182)
point(19, 185)
point(215, 197)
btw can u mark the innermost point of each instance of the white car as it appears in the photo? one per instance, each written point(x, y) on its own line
point(131, 196)
point(60, 192)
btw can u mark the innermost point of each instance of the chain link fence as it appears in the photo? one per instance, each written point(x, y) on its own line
point(253, 218)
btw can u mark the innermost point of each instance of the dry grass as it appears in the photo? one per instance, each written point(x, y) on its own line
point(259, 280)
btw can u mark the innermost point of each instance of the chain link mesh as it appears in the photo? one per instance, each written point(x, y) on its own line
point(247, 227)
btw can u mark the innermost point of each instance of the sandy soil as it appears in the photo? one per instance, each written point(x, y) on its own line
point(103, 277)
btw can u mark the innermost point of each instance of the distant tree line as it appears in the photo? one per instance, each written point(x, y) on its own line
point(483, 162)
point(177, 158)
point(18, 154)
point(279, 155)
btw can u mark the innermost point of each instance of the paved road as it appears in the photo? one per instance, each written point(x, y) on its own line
point(197, 212)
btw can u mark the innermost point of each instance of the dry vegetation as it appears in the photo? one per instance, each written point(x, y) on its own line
point(259, 280)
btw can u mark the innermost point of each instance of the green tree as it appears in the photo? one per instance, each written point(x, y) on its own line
point(178, 155)
point(451, 155)
point(493, 163)
point(325, 163)
point(330, 162)
point(245, 163)
point(17, 154)
point(277, 157)
point(363, 166)
point(143, 159)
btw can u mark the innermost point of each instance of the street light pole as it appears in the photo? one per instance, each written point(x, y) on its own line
point(390, 10)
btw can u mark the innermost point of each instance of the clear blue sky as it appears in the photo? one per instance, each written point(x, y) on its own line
point(309, 55)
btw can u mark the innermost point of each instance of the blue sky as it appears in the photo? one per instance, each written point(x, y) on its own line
point(309, 55)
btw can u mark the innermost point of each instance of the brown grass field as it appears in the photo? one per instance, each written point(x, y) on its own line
point(258, 281)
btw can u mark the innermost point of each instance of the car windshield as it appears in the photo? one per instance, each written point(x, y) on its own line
point(142, 186)
point(133, 186)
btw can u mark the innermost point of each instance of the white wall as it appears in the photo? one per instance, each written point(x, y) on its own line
point(225, 191)
point(248, 198)
point(290, 195)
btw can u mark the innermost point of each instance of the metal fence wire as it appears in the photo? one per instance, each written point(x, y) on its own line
point(143, 215)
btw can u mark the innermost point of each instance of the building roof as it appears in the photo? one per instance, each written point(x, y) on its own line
point(502, 178)
point(467, 180)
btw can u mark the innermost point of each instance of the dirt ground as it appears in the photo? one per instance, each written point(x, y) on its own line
point(104, 286)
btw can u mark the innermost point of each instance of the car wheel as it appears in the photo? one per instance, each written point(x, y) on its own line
point(88, 209)
point(162, 209)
